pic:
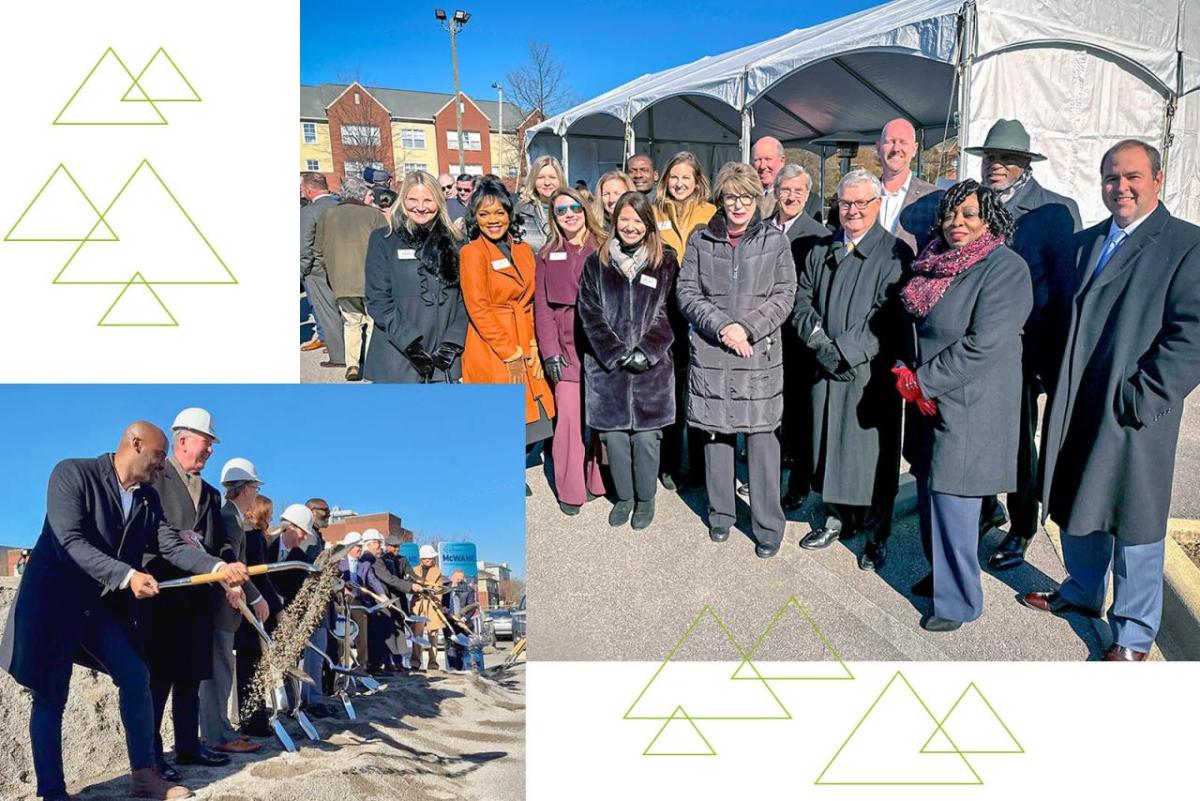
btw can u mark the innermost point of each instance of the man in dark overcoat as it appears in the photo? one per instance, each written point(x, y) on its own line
point(1131, 356)
point(76, 601)
point(1046, 223)
point(844, 313)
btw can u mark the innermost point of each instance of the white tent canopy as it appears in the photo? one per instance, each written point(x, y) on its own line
point(1079, 74)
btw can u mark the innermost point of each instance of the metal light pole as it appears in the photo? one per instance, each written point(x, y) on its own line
point(500, 89)
point(452, 26)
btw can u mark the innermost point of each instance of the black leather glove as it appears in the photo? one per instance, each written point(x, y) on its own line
point(421, 360)
point(636, 362)
point(554, 367)
point(828, 356)
point(443, 358)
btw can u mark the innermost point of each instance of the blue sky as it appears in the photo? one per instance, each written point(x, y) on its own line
point(449, 461)
point(600, 45)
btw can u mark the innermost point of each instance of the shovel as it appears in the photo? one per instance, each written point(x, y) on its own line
point(295, 675)
point(255, 570)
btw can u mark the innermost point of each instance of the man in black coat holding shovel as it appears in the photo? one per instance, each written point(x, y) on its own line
point(1129, 324)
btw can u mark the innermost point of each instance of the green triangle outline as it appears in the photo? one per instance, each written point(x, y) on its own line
point(125, 98)
point(680, 714)
point(88, 77)
point(706, 610)
point(898, 675)
point(146, 163)
point(100, 217)
point(995, 714)
point(137, 278)
point(793, 601)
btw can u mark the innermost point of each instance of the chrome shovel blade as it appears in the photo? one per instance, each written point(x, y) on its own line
point(309, 729)
point(369, 683)
point(422, 641)
point(415, 619)
point(462, 640)
point(300, 675)
point(349, 707)
point(285, 739)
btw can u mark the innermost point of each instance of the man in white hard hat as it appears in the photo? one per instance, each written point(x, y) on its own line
point(388, 643)
point(356, 572)
point(241, 482)
point(179, 631)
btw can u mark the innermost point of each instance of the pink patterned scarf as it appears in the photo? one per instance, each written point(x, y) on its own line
point(936, 267)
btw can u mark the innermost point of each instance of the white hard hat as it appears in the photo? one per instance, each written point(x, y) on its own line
point(428, 552)
point(372, 535)
point(195, 419)
point(353, 538)
point(238, 469)
point(299, 516)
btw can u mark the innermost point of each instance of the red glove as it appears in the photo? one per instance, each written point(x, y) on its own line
point(927, 407)
point(906, 384)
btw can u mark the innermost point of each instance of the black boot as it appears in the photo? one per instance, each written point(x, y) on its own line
point(619, 515)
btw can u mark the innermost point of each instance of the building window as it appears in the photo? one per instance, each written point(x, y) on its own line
point(310, 133)
point(473, 169)
point(415, 166)
point(313, 165)
point(471, 140)
point(356, 168)
point(360, 135)
point(512, 171)
point(412, 137)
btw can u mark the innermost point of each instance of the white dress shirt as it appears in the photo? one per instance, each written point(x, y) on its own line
point(891, 204)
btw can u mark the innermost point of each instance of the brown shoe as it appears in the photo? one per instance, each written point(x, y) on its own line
point(1054, 603)
point(1119, 653)
point(333, 364)
point(237, 747)
point(312, 344)
point(146, 783)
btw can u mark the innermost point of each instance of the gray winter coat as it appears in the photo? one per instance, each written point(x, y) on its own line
point(753, 284)
point(535, 224)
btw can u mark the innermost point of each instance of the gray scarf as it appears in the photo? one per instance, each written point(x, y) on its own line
point(1007, 195)
point(628, 264)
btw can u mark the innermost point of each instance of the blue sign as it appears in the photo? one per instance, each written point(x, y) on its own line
point(458, 556)
point(411, 552)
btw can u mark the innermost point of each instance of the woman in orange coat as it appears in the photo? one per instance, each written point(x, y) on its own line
point(496, 275)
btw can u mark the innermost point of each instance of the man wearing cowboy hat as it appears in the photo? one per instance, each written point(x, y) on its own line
point(1046, 223)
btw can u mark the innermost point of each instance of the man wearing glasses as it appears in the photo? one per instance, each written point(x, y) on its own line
point(842, 312)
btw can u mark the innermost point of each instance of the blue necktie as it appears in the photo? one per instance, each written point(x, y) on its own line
point(1110, 247)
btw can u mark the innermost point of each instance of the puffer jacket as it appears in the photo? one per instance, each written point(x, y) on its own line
point(753, 284)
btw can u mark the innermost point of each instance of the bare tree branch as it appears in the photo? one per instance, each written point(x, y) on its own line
point(541, 83)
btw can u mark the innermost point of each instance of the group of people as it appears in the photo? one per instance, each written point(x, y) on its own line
point(117, 525)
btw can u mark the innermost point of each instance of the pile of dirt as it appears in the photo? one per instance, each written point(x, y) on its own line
point(441, 737)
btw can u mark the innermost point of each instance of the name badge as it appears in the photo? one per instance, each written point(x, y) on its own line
point(648, 280)
point(406, 253)
point(500, 264)
point(558, 255)
point(664, 225)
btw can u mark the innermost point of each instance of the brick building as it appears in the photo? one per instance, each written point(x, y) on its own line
point(386, 523)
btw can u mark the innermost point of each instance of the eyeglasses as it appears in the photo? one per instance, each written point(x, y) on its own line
point(447, 187)
point(791, 192)
point(733, 200)
point(574, 208)
point(861, 205)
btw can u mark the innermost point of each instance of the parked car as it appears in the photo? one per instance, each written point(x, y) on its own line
point(502, 622)
point(518, 621)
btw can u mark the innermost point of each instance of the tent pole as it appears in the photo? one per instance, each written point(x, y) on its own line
point(566, 162)
point(823, 182)
point(630, 142)
point(746, 124)
point(966, 57)
point(921, 153)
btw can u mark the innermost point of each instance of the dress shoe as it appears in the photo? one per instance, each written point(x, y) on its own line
point(1010, 552)
point(333, 364)
point(873, 556)
point(353, 374)
point(820, 538)
point(619, 515)
point(146, 783)
point(924, 587)
point(569, 509)
point(1055, 604)
point(744, 490)
point(167, 772)
point(204, 757)
point(237, 747)
point(668, 482)
point(932, 623)
point(1119, 653)
point(643, 514)
point(718, 533)
point(765, 550)
point(312, 344)
point(794, 500)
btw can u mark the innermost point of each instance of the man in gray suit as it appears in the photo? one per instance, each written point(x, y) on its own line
point(312, 270)
point(240, 480)
point(1130, 357)
point(908, 208)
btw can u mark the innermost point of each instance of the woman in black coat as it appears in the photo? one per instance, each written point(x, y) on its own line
point(412, 291)
point(629, 379)
point(966, 300)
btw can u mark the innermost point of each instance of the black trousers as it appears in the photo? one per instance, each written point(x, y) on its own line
point(633, 459)
point(1022, 504)
point(249, 649)
point(185, 711)
point(766, 509)
point(875, 520)
point(678, 439)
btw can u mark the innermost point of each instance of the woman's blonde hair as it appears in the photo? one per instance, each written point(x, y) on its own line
point(400, 213)
point(611, 175)
point(668, 204)
point(558, 237)
point(645, 212)
point(530, 193)
point(738, 177)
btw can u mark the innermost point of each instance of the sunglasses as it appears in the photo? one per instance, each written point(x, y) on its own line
point(574, 208)
point(447, 187)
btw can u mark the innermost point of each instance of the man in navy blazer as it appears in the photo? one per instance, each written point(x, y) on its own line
point(1129, 335)
point(76, 601)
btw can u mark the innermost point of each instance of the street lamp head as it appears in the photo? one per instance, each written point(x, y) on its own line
point(440, 13)
point(461, 17)
point(496, 85)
